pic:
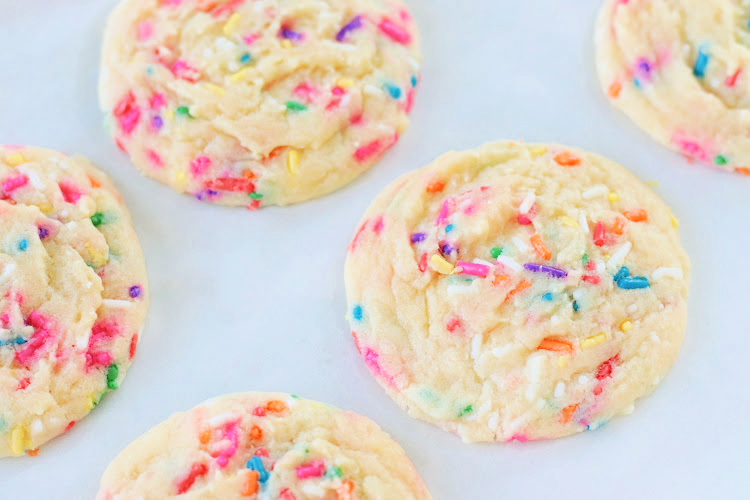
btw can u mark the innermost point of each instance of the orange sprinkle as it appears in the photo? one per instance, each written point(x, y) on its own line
point(250, 486)
point(557, 345)
point(638, 215)
point(523, 285)
point(619, 226)
point(540, 248)
point(435, 186)
point(33, 453)
point(500, 278)
point(567, 159)
point(743, 171)
point(94, 182)
point(205, 437)
point(567, 413)
point(614, 90)
point(345, 491)
point(256, 433)
point(276, 406)
point(248, 174)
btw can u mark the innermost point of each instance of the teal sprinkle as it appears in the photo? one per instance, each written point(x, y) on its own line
point(23, 245)
point(150, 71)
point(449, 228)
point(414, 81)
point(721, 160)
point(246, 58)
point(637, 83)
point(699, 70)
point(295, 106)
point(633, 283)
point(112, 374)
point(393, 90)
point(547, 296)
point(576, 306)
point(624, 272)
point(255, 196)
point(357, 313)
point(496, 252)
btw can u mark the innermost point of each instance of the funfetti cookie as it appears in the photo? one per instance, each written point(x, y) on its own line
point(265, 446)
point(681, 70)
point(73, 294)
point(517, 292)
point(264, 102)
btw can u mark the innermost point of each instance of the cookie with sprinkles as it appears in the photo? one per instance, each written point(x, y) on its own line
point(74, 294)
point(254, 103)
point(680, 70)
point(517, 292)
point(267, 446)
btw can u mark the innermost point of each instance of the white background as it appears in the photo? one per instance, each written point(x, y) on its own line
point(255, 301)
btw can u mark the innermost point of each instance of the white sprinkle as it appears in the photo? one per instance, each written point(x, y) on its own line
point(655, 338)
point(476, 345)
point(372, 90)
point(614, 262)
point(117, 303)
point(595, 192)
point(36, 426)
point(583, 223)
point(600, 267)
point(657, 380)
point(632, 308)
point(527, 203)
point(666, 272)
point(559, 389)
point(583, 379)
point(221, 419)
point(508, 262)
point(7, 271)
point(494, 421)
point(630, 409)
point(501, 352)
point(35, 180)
point(534, 365)
point(520, 245)
point(458, 289)
point(483, 262)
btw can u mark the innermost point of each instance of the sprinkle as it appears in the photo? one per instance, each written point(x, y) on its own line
point(440, 265)
point(15, 159)
point(292, 161)
point(567, 413)
point(523, 285)
point(508, 262)
point(345, 83)
point(291, 35)
point(667, 272)
point(246, 58)
point(594, 340)
point(186, 482)
point(97, 219)
point(435, 186)
point(239, 76)
point(619, 256)
point(576, 307)
point(637, 215)
point(626, 325)
point(583, 223)
point(231, 24)
point(633, 283)
point(357, 312)
point(624, 272)
point(316, 468)
point(699, 70)
point(23, 245)
point(394, 32)
point(537, 150)
point(418, 237)
point(17, 440)
point(184, 111)
point(599, 232)
point(472, 269)
point(721, 160)
point(117, 303)
point(556, 345)
point(352, 25)
point(540, 248)
point(547, 296)
point(215, 89)
point(295, 106)
point(256, 464)
point(568, 221)
point(613, 197)
point(496, 252)
point(595, 192)
point(552, 271)
point(614, 90)
point(250, 485)
point(12, 183)
point(520, 245)
point(567, 159)
point(449, 228)
point(527, 203)
point(135, 291)
point(393, 90)
point(559, 389)
point(112, 372)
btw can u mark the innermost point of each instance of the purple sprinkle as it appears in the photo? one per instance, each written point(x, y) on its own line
point(290, 34)
point(43, 233)
point(157, 122)
point(446, 249)
point(417, 237)
point(135, 291)
point(552, 271)
point(353, 25)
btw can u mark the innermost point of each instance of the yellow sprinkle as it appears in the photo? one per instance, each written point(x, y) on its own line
point(99, 258)
point(626, 325)
point(239, 76)
point(180, 177)
point(15, 159)
point(17, 440)
point(675, 222)
point(169, 114)
point(215, 89)
point(287, 44)
point(292, 161)
point(345, 83)
point(45, 208)
point(594, 340)
point(562, 361)
point(568, 221)
point(231, 24)
point(653, 184)
point(537, 150)
point(613, 197)
point(440, 265)
point(606, 256)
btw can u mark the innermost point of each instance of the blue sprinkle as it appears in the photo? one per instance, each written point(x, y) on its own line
point(20, 340)
point(417, 237)
point(576, 306)
point(23, 245)
point(699, 69)
point(394, 90)
point(449, 228)
point(256, 464)
point(357, 313)
point(633, 283)
point(414, 81)
point(547, 296)
point(245, 59)
point(150, 71)
point(624, 272)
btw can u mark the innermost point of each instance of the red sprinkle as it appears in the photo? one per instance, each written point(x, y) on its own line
point(196, 471)
point(599, 233)
point(731, 80)
point(423, 262)
point(23, 383)
point(133, 346)
point(594, 280)
point(452, 324)
point(605, 369)
point(231, 184)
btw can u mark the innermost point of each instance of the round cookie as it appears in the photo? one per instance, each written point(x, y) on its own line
point(517, 292)
point(74, 294)
point(265, 102)
point(681, 70)
point(265, 446)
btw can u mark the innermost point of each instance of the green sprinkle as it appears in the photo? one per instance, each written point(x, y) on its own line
point(184, 111)
point(294, 396)
point(295, 106)
point(96, 403)
point(496, 252)
point(585, 259)
point(112, 374)
point(466, 411)
point(255, 196)
point(333, 472)
point(721, 160)
point(97, 219)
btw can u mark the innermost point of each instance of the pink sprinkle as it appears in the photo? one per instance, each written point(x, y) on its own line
point(199, 166)
point(305, 91)
point(316, 468)
point(127, 113)
point(473, 269)
point(377, 225)
point(154, 158)
point(449, 206)
point(409, 104)
point(521, 438)
point(372, 362)
point(70, 191)
point(250, 39)
point(368, 151)
point(259, 411)
point(157, 101)
point(394, 31)
point(452, 324)
point(692, 148)
point(12, 183)
point(183, 70)
point(34, 346)
point(145, 30)
point(230, 6)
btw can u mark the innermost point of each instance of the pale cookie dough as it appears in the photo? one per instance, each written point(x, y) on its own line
point(266, 446)
point(262, 102)
point(517, 292)
point(73, 293)
point(681, 70)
